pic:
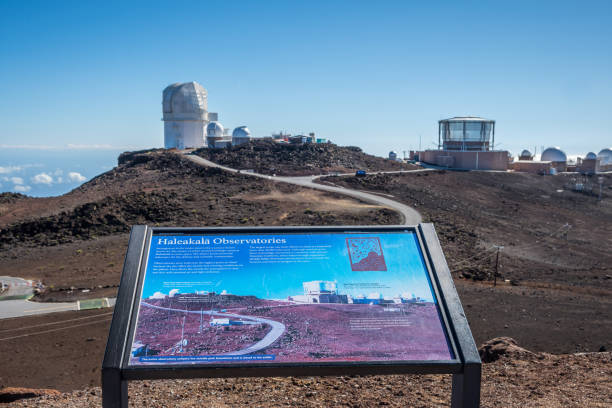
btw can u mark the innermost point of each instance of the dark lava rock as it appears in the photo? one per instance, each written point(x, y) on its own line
point(499, 347)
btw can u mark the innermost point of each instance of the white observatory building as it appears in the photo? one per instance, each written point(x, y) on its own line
point(185, 115)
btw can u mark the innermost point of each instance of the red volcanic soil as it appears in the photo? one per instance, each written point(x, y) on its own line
point(322, 332)
point(332, 332)
point(516, 379)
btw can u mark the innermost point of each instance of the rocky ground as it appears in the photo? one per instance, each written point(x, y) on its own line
point(556, 257)
point(557, 298)
point(268, 157)
point(76, 242)
point(511, 377)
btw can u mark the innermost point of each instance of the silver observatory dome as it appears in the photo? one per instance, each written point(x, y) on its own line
point(590, 156)
point(605, 156)
point(241, 132)
point(214, 129)
point(554, 154)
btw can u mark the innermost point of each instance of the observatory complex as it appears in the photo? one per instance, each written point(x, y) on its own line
point(554, 160)
point(189, 124)
point(466, 142)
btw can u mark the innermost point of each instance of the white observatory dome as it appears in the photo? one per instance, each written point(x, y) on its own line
point(184, 101)
point(590, 156)
point(525, 153)
point(241, 132)
point(214, 129)
point(554, 154)
point(605, 156)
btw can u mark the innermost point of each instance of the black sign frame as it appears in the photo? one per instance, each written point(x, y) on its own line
point(465, 368)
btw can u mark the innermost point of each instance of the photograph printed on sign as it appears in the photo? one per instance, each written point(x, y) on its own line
point(292, 298)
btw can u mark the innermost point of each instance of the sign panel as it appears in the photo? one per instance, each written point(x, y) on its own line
point(302, 297)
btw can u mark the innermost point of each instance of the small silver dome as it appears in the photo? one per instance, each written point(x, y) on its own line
point(241, 132)
point(590, 156)
point(605, 156)
point(554, 154)
point(214, 129)
point(525, 153)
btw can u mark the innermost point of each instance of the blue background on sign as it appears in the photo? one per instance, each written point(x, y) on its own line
point(406, 273)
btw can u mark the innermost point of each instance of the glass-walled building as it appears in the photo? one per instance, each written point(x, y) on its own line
point(466, 134)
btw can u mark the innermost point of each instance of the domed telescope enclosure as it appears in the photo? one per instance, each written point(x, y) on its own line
point(466, 133)
point(526, 155)
point(185, 115)
point(241, 135)
point(605, 156)
point(554, 154)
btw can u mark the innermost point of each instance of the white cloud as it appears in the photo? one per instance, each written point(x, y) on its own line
point(14, 169)
point(58, 172)
point(42, 178)
point(16, 180)
point(9, 169)
point(74, 176)
point(60, 179)
point(157, 295)
point(173, 292)
point(22, 189)
point(71, 146)
point(92, 146)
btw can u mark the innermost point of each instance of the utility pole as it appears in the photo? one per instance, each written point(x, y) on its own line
point(182, 334)
point(499, 248)
point(201, 318)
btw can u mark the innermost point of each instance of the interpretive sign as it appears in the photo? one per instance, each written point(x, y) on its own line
point(209, 302)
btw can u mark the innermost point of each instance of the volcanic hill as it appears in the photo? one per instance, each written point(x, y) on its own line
point(268, 157)
point(79, 239)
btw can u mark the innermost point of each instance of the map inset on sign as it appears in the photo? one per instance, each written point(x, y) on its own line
point(365, 254)
point(288, 298)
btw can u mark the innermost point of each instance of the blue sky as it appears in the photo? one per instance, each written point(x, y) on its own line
point(372, 74)
point(405, 269)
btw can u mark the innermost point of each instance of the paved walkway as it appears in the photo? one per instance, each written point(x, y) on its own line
point(14, 300)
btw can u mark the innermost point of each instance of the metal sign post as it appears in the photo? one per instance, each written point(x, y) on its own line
point(305, 268)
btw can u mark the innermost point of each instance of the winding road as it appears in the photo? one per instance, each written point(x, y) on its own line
point(277, 328)
point(409, 215)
